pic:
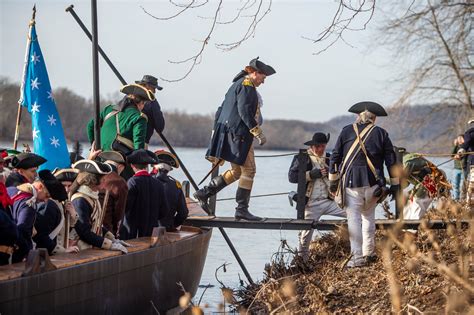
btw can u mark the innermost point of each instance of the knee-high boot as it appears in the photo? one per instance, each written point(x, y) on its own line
point(242, 211)
point(203, 194)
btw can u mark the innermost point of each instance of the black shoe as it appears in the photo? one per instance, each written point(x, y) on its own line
point(242, 211)
point(370, 259)
point(203, 194)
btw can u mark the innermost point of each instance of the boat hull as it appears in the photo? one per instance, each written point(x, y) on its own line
point(136, 283)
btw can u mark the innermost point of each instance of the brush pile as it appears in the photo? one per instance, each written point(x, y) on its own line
point(431, 271)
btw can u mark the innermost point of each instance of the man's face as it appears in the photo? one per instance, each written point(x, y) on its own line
point(67, 185)
point(30, 173)
point(43, 193)
point(150, 88)
point(318, 149)
point(257, 78)
point(460, 139)
point(141, 105)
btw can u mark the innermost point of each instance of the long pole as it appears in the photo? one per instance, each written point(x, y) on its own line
point(70, 9)
point(95, 74)
point(25, 67)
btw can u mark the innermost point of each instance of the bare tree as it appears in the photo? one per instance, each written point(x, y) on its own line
point(250, 13)
point(434, 41)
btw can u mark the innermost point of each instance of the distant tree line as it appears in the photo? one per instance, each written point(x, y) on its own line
point(427, 128)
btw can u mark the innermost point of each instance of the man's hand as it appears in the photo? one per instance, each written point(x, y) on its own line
point(93, 152)
point(72, 249)
point(315, 173)
point(261, 138)
point(324, 171)
point(333, 185)
point(70, 209)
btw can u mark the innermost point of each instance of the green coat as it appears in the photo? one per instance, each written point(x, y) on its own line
point(413, 164)
point(132, 125)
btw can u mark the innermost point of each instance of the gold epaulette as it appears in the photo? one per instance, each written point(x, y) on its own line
point(144, 115)
point(247, 82)
point(178, 184)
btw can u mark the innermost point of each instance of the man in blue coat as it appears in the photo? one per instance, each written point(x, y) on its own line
point(173, 190)
point(356, 168)
point(152, 109)
point(235, 126)
point(146, 200)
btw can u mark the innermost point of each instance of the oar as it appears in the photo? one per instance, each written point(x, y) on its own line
point(210, 172)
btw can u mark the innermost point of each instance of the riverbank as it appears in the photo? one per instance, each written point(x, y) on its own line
point(432, 272)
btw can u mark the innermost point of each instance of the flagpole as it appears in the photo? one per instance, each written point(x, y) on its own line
point(95, 71)
point(25, 66)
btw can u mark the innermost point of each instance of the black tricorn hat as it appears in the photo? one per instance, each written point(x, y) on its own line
point(138, 90)
point(93, 167)
point(261, 67)
point(150, 80)
point(142, 156)
point(372, 107)
point(167, 158)
point(114, 156)
point(27, 160)
point(54, 186)
point(65, 174)
point(318, 138)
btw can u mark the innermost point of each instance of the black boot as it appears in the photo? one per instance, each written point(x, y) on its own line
point(203, 194)
point(242, 211)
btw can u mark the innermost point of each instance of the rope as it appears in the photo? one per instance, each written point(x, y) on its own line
point(255, 196)
point(276, 155)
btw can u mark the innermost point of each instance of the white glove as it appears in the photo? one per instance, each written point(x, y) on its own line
point(261, 138)
point(118, 247)
point(121, 242)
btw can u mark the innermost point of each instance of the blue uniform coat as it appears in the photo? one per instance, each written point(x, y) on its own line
point(146, 204)
point(176, 201)
point(83, 225)
point(156, 121)
point(24, 217)
point(379, 149)
point(231, 139)
point(48, 217)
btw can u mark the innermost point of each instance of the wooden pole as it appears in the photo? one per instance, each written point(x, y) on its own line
point(25, 67)
point(301, 201)
point(95, 71)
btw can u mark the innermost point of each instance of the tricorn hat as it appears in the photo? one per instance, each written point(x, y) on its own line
point(54, 186)
point(372, 107)
point(150, 80)
point(27, 160)
point(318, 138)
point(167, 158)
point(142, 156)
point(65, 174)
point(93, 167)
point(114, 156)
point(261, 67)
point(138, 90)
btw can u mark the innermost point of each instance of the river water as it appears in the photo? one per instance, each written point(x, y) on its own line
point(255, 247)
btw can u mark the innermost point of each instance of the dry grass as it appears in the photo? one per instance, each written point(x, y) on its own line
point(431, 272)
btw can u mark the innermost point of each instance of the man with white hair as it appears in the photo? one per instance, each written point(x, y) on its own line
point(356, 176)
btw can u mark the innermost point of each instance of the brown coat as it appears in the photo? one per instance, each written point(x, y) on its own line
point(115, 208)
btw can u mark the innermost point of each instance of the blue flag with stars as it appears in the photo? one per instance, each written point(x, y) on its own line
point(48, 134)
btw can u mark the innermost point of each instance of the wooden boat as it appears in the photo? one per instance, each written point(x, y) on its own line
point(96, 281)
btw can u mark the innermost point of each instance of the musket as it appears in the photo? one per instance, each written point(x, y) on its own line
point(214, 166)
point(102, 215)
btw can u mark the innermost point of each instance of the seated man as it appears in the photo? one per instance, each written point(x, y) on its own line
point(177, 202)
point(85, 198)
point(318, 202)
point(146, 201)
point(26, 198)
point(25, 166)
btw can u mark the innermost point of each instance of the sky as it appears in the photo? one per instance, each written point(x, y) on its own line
point(308, 87)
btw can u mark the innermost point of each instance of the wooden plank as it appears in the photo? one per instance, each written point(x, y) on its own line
point(194, 208)
point(8, 272)
point(294, 224)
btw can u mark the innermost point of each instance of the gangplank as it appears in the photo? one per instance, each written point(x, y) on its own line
point(322, 225)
